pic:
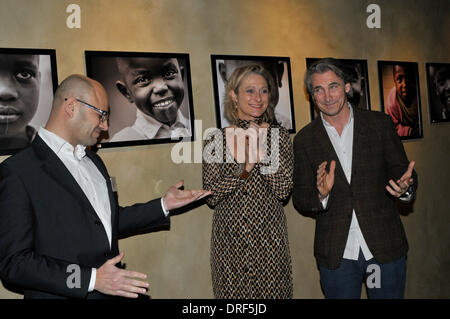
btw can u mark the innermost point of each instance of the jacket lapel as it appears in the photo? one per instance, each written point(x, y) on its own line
point(56, 169)
point(112, 200)
point(359, 139)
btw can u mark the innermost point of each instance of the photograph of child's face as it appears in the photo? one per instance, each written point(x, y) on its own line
point(438, 79)
point(404, 82)
point(155, 85)
point(19, 92)
point(441, 82)
point(400, 97)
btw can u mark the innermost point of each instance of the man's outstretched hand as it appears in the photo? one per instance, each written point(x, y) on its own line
point(398, 188)
point(112, 280)
point(176, 198)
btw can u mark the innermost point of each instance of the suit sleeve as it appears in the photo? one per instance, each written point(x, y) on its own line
point(20, 265)
point(305, 195)
point(138, 218)
point(394, 152)
point(142, 218)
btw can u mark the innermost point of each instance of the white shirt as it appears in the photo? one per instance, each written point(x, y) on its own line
point(146, 127)
point(86, 174)
point(343, 145)
point(88, 177)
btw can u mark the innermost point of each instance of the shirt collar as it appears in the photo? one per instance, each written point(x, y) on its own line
point(150, 127)
point(60, 146)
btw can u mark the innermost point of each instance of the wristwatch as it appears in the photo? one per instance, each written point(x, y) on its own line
point(241, 172)
point(409, 192)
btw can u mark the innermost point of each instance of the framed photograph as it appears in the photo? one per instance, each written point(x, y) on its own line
point(357, 75)
point(280, 68)
point(400, 97)
point(438, 80)
point(28, 80)
point(150, 96)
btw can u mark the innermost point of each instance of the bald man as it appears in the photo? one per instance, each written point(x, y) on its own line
point(59, 220)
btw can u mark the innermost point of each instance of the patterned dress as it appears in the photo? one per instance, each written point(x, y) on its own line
point(250, 255)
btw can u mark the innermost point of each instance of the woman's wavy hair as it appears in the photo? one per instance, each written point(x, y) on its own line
point(233, 85)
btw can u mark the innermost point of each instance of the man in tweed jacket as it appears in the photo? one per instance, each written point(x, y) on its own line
point(350, 168)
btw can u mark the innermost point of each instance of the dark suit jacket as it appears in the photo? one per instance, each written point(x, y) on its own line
point(47, 223)
point(378, 155)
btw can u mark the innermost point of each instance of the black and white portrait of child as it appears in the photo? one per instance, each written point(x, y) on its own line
point(438, 76)
point(149, 95)
point(26, 94)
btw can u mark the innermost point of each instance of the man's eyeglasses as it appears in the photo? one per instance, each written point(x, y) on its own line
point(104, 115)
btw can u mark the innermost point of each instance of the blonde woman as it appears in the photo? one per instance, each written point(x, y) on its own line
point(248, 167)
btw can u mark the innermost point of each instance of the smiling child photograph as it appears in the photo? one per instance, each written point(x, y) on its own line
point(151, 99)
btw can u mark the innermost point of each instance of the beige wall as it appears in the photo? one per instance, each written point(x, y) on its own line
point(177, 262)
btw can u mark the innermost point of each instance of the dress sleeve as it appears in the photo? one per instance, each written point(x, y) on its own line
point(278, 166)
point(216, 178)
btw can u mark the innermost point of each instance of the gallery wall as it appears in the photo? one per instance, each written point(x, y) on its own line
point(177, 261)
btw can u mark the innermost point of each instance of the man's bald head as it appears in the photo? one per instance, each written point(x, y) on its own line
point(70, 117)
point(80, 87)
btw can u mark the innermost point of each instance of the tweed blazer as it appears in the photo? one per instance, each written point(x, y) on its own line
point(378, 155)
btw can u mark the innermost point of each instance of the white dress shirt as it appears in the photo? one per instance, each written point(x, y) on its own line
point(88, 177)
point(86, 174)
point(147, 127)
point(343, 145)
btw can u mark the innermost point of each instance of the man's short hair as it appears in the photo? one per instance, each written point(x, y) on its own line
point(322, 66)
